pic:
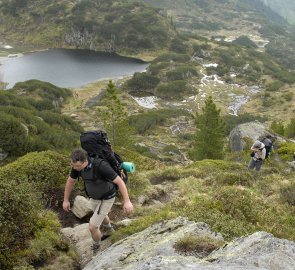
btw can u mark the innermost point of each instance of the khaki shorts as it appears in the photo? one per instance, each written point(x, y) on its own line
point(100, 210)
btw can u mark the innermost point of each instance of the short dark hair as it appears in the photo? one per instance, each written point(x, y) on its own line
point(78, 155)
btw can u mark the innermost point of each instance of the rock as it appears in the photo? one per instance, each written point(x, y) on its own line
point(81, 207)
point(143, 250)
point(153, 249)
point(82, 240)
point(3, 154)
point(292, 164)
point(251, 130)
point(125, 222)
point(260, 250)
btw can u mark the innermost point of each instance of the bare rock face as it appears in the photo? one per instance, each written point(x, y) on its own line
point(251, 130)
point(152, 249)
point(260, 250)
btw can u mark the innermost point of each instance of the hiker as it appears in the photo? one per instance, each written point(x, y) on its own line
point(257, 155)
point(99, 179)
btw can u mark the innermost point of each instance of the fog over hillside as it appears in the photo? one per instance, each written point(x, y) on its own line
point(286, 8)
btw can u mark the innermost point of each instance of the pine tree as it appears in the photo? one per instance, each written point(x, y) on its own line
point(112, 113)
point(210, 135)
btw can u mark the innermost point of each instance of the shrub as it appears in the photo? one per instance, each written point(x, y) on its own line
point(289, 130)
point(274, 86)
point(175, 57)
point(18, 214)
point(178, 46)
point(288, 96)
point(171, 149)
point(181, 73)
point(142, 81)
point(233, 178)
point(44, 90)
point(13, 134)
point(245, 41)
point(171, 89)
point(278, 127)
point(145, 121)
point(45, 170)
point(286, 150)
point(288, 193)
point(155, 68)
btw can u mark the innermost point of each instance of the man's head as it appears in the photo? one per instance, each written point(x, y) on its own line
point(79, 159)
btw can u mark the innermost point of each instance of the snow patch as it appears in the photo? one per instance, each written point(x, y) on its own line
point(146, 102)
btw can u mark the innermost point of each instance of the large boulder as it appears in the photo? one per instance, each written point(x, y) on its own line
point(153, 249)
point(251, 131)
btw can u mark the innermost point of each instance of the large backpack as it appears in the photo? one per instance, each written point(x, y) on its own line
point(97, 145)
point(268, 146)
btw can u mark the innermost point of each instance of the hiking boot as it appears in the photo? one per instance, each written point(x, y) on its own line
point(95, 248)
point(106, 230)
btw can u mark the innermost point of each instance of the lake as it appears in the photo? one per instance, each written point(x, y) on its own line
point(67, 68)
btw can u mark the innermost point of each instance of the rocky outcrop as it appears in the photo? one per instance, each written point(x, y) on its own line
point(153, 249)
point(251, 131)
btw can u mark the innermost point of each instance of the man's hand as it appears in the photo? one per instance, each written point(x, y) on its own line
point(128, 207)
point(66, 206)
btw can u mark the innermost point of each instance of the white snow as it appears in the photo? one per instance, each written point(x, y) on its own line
point(146, 102)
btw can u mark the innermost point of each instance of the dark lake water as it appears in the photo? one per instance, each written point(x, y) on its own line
point(67, 68)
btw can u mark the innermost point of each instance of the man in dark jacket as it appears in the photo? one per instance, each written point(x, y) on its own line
point(100, 184)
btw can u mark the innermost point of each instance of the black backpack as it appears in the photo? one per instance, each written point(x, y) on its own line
point(268, 146)
point(97, 145)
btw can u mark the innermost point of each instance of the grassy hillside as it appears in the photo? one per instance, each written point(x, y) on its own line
point(98, 25)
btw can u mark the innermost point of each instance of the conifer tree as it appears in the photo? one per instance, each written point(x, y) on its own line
point(210, 135)
point(112, 113)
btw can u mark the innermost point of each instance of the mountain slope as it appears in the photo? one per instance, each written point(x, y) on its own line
point(99, 25)
point(285, 8)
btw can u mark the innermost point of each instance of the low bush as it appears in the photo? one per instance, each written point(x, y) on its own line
point(201, 245)
point(274, 86)
point(175, 57)
point(20, 205)
point(30, 235)
point(233, 178)
point(142, 81)
point(155, 68)
point(147, 120)
point(45, 170)
point(286, 150)
point(288, 193)
point(181, 73)
point(13, 134)
point(172, 89)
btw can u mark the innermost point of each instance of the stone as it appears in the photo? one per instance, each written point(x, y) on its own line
point(81, 207)
point(153, 249)
point(251, 130)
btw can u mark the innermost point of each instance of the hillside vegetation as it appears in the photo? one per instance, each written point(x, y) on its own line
point(40, 123)
point(30, 119)
point(99, 25)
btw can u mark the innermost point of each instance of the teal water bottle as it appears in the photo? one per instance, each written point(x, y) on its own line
point(128, 166)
